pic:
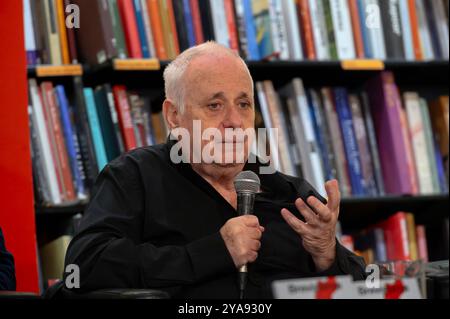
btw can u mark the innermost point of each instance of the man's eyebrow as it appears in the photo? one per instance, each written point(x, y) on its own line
point(243, 95)
point(218, 95)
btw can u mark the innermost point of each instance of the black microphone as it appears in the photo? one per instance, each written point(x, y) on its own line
point(246, 185)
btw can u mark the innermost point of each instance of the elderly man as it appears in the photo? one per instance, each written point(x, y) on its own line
point(158, 223)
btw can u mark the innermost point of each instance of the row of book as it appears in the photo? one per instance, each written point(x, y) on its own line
point(99, 30)
point(77, 131)
point(374, 142)
point(400, 238)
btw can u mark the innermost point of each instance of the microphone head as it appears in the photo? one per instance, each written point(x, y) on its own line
point(247, 182)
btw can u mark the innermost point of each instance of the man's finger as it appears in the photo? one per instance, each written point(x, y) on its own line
point(250, 220)
point(310, 216)
point(295, 223)
point(323, 211)
point(334, 196)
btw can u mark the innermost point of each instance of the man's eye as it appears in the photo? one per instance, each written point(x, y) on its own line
point(214, 106)
point(244, 105)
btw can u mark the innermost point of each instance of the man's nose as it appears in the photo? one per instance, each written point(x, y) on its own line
point(233, 118)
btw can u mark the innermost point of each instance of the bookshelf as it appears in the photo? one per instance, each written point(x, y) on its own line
point(428, 77)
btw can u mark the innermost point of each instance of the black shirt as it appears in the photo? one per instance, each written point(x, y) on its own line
point(155, 224)
point(7, 274)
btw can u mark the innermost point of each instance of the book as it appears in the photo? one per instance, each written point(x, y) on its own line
point(319, 29)
point(250, 31)
point(71, 143)
point(189, 23)
point(220, 26)
point(117, 26)
point(71, 42)
point(292, 24)
point(306, 27)
point(132, 38)
point(392, 27)
point(147, 27)
point(61, 19)
point(374, 155)
point(422, 245)
point(350, 143)
point(96, 133)
point(410, 222)
point(374, 28)
point(181, 24)
point(439, 115)
point(156, 25)
point(52, 255)
point(30, 41)
point(342, 29)
point(363, 145)
point(43, 139)
point(336, 142)
point(417, 133)
point(261, 19)
point(386, 110)
point(140, 24)
point(198, 30)
point(417, 44)
point(96, 41)
point(356, 28)
point(123, 111)
point(396, 237)
point(407, 33)
point(278, 28)
point(51, 30)
point(57, 138)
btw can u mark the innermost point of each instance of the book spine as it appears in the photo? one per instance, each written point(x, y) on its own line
point(173, 27)
point(250, 31)
point(195, 10)
point(422, 243)
point(392, 27)
point(44, 143)
point(330, 29)
point(107, 32)
point(275, 114)
point(429, 144)
point(302, 104)
point(141, 28)
point(342, 29)
point(337, 142)
point(189, 22)
point(231, 25)
point(319, 133)
point(417, 44)
point(241, 28)
point(375, 28)
point(407, 32)
point(417, 133)
point(385, 105)
point(350, 144)
point(441, 26)
point(180, 24)
point(117, 26)
point(52, 29)
point(155, 19)
point(30, 41)
point(69, 134)
point(356, 28)
point(319, 30)
point(261, 19)
point(123, 110)
point(396, 236)
point(206, 18)
point(62, 32)
point(412, 240)
point(219, 22)
point(424, 32)
point(114, 117)
point(71, 38)
point(96, 132)
point(148, 29)
point(432, 27)
point(292, 25)
point(409, 152)
point(84, 133)
point(305, 19)
point(60, 146)
point(273, 145)
point(363, 146)
point(375, 156)
point(106, 123)
point(127, 14)
point(274, 28)
point(364, 28)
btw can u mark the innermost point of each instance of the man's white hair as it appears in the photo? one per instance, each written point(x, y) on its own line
point(174, 72)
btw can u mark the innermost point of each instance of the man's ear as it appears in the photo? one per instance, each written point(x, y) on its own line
point(171, 114)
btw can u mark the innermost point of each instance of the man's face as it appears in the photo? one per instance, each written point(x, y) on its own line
point(219, 93)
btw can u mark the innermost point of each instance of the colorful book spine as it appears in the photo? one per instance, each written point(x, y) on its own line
point(407, 31)
point(123, 110)
point(342, 29)
point(198, 30)
point(250, 31)
point(350, 143)
point(189, 22)
point(94, 124)
point(126, 9)
point(70, 142)
point(141, 28)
